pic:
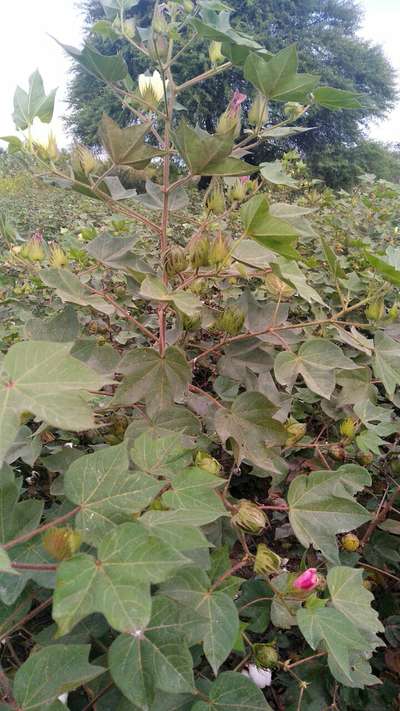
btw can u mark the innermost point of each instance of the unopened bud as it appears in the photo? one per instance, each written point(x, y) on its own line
point(175, 261)
point(350, 542)
point(33, 250)
point(258, 114)
point(277, 287)
point(82, 160)
point(239, 189)
point(293, 110)
point(190, 323)
point(198, 287)
point(250, 518)
point(266, 561)
point(348, 427)
point(393, 312)
point(364, 458)
point(375, 311)
point(219, 251)
point(337, 452)
point(296, 431)
point(203, 460)
point(58, 258)
point(215, 201)
point(266, 655)
point(61, 543)
point(159, 23)
point(230, 121)
point(52, 149)
point(230, 321)
point(214, 52)
point(199, 253)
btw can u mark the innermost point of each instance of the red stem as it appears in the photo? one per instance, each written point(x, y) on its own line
point(43, 567)
point(41, 529)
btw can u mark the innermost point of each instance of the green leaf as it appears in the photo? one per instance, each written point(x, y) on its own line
point(157, 658)
point(269, 231)
point(44, 379)
point(107, 491)
point(176, 528)
point(386, 362)
point(332, 261)
point(216, 26)
point(62, 328)
point(174, 419)
point(338, 634)
point(250, 424)
point(208, 617)
point(158, 380)
point(116, 252)
point(50, 672)
point(109, 68)
point(69, 288)
point(153, 289)
point(316, 360)
point(274, 173)
point(207, 154)
point(153, 198)
point(117, 583)
point(231, 692)
point(352, 599)
point(103, 358)
point(290, 271)
point(334, 99)
point(161, 456)
point(194, 490)
point(26, 446)
point(5, 562)
point(321, 505)
point(32, 104)
point(126, 146)
point(277, 78)
point(388, 271)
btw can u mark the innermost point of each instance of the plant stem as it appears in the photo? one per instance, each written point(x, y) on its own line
point(228, 573)
point(199, 391)
point(42, 567)
point(28, 617)
point(41, 529)
point(203, 77)
point(125, 313)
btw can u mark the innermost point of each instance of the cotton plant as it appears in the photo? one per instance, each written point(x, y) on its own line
point(232, 340)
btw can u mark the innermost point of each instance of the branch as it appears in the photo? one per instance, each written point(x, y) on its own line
point(203, 77)
point(41, 529)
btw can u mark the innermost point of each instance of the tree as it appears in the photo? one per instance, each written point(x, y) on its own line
point(326, 31)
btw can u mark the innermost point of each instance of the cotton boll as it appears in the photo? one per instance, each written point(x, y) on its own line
point(260, 677)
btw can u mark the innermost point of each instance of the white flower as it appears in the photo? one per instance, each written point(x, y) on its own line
point(63, 698)
point(151, 87)
point(260, 677)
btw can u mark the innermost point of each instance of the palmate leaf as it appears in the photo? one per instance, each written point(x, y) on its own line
point(193, 490)
point(321, 505)
point(34, 103)
point(250, 424)
point(352, 599)
point(208, 154)
point(386, 362)
point(277, 78)
point(216, 26)
point(109, 68)
point(274, 173)
point(116, 252)
point(107, 491)
point(267, 230)
point(158, 380)
point(161, 456)
point(54, 670)
point(16, 517)
point(126, 146)
point(117, 583)
point(210, 618)
point(335, 99)
point(156, 658)
point(153, 289)
point(233, 692)
point(316, 360)
point(44, 379)
point(69, 288)
point(153, 198)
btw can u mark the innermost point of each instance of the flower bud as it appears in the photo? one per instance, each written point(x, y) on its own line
point(58, 258)
point(214, 52)
point(159, 24)
point(175, 261)
point(292, 110)
point(348, 427)
point(266, 655)
point(230, 321)
point(187, 5)
point(199, 253)
point(364, 458)
point(266, 561)
point(158, 47)
point(82, 160)
point(258, 114)
point(277, 287)
point(33, 250)
point(337, 452)
point(52, 149)
point(219, 251)
point(350, 542)
point(296, 430)
point(307, 580)
point(158, 505)
point(190, 323)
point(229, 121)
point(239, 189)
point(215, 201)
point(375, 311)
point(204, 461)
point(61, 543)
point(199, 287)
point(250, 518)
point(393, 312)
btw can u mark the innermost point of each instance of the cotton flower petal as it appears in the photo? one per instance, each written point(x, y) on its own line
point(260, 677)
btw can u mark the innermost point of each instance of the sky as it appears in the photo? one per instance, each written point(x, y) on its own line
point(25, 46)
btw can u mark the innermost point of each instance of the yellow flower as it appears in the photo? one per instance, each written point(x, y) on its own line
point(43, 137)
point(151, 88)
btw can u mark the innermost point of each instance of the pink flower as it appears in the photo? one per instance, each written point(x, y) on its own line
point(234, 104)
point(307, 580)
point(244, 178)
